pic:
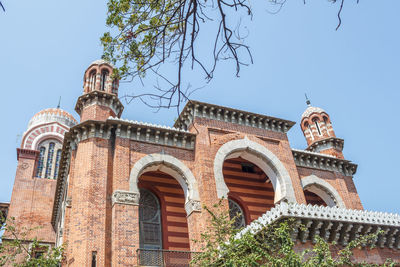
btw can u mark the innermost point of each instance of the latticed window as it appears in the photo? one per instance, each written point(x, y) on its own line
point(235, 211)
point(49, 164)
point(39, 168)
point(58, 156)
point(149, 221)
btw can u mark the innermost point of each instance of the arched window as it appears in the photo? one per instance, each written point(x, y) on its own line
point(49, 163)
point(317, 125)
point(39, 168)
point(326, 125)
point(58, 156)
point(104, 77)
point(314, 199)
point(92, 80)
point(149, 221)
point(115, 86)
point(235, 211)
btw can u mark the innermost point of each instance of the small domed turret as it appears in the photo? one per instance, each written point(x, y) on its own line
point(98, 78)
point(100, 93)
point(318, 131)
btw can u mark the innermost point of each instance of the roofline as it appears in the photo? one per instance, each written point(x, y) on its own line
point(181, 119)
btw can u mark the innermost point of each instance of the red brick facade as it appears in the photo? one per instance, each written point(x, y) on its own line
point(217, 153)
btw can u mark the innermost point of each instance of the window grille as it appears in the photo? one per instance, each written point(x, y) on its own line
point(235, 211)
point(39, 169)
point(165, 258)
point(58, 156)
point(49, 164)
point(149, 221)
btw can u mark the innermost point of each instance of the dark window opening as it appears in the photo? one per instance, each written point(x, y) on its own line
point(92, 80)
point(39, 252)
point(319, 130)
point(94, 258)
point(248, 167)
point(104, 77)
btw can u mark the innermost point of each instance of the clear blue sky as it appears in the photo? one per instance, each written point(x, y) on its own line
point(45, 47)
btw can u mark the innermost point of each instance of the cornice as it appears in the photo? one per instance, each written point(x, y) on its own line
point(99, 98)
point(27, 153)
point(332, 224)
point(203, 110)
point(332, 142)
point(319, 161)
point(132, 130)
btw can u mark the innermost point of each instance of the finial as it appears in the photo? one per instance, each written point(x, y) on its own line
point(59, 102)
point(308, 102)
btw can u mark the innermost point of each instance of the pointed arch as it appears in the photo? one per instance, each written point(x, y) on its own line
point(323, 189)
point(260, 156)
point(172, 166)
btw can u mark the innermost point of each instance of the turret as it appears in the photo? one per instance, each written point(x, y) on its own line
point(100, 93)
point(318, 131)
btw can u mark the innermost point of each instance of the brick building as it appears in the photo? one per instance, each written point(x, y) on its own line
point(119, 191)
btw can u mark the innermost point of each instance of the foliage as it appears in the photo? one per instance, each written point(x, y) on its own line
point(272, 246)
point(16, 250)
point(149, 34)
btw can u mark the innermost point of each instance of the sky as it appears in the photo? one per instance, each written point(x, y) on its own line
point(352, 73)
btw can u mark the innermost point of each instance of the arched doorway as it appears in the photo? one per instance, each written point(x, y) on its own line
point(262, 158)
point(250, 190)
point(168, 231)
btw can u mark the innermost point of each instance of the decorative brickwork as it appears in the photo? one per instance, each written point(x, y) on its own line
point(212, 152)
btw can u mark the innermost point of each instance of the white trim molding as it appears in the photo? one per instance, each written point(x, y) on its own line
point(263, 158)
point(323, 189)
point(332, 224)
point(172, 166)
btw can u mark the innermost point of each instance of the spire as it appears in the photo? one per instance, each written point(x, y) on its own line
point(59, 102)
point(308, 102)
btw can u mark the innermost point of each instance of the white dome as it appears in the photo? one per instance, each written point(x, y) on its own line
point(310, 110)
point(52, 115)
point(100, 62)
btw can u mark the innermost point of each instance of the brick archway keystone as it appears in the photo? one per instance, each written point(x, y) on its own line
point(260, 156)
point(172, 166)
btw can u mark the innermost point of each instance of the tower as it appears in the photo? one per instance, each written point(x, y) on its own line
point(318, 131)
point(35, 181)
point(100, 93)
